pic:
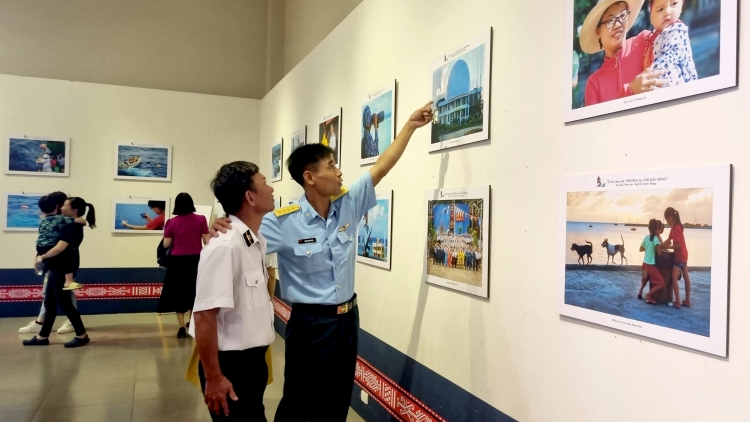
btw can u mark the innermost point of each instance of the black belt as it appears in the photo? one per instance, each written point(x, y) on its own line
point(325, 310)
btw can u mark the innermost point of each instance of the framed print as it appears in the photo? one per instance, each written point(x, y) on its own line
point(622, 50)
point(205, 211)
point(374, 232)
point(461, 94)
point(277, 153)
point(299, 138)
point(457, 253)
point(329, 134)
point(21, 212)
point(143, 162)
point(35, 156)
point(378, 122)
point(218, 209)
point(636, 246)
point(133, 215)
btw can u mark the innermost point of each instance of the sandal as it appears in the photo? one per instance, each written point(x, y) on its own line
point(73, 286)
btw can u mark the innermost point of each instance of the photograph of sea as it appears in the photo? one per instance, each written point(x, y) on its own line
point(37, 157)
point(22, 212)
point(143, 162)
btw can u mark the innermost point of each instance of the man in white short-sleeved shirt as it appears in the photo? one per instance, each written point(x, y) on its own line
point(233, 314)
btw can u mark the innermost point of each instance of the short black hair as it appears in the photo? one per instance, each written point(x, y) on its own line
point(183, 204)
point(48, 204)
point(59, 198)
point(231, 182)
point(301, 158)
point(157, 204)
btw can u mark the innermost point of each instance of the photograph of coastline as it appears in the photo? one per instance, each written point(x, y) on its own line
point(276, 164)
point(457, 234)
point(378, 126)
point(37, 156)
point(329, 134)
point(461, 94)
point(143, 162)
point(693, 47)
point(374, 232)
point(21, 212)
point(645, 252)
point(299, 138)
point(133, 215)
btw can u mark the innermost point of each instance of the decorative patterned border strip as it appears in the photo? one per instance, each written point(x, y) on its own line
point(33, 293)
point(394, 398)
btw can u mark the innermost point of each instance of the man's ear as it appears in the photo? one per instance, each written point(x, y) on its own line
point(308, 178)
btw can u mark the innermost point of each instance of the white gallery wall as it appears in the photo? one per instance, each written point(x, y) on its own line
point(514, 351)
point(205, 131)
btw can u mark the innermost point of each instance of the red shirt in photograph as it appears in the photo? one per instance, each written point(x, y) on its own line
point(156, 224)
point(678, 236)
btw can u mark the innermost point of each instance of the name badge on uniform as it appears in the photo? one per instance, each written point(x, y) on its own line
point(306, 241)
point(248, 238)
point(344, 227)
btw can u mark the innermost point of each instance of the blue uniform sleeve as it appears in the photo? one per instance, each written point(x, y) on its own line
point(362, 195)
point(270, 228)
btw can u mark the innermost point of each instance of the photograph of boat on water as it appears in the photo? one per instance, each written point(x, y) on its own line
point(143, 162)
point(21, 212)
point(647, 252)
point(35, 156)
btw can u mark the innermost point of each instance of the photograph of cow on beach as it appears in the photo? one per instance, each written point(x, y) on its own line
point(646, 234)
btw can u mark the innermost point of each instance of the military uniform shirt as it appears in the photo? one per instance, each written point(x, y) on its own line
point(317, 255)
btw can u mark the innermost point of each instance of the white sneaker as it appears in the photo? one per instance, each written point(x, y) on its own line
point(66, 328)
point(32, 328)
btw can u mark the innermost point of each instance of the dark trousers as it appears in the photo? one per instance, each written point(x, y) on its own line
point(55, 295)
point(248, 373)
point(321, 354)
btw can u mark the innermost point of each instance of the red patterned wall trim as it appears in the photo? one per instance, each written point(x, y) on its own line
point(33, 293)
point(394, 398)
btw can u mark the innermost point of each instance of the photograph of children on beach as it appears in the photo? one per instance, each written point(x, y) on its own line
point(329, 134)
point(644, 254)
point(144, 162)
point(461, 94)
point(37, 157)
point(299, 137)
point(628, 54)
point(456, 239)
point(378, 127)
point(276, 164)
point(374, 233)
point(21, 212)
point(139, 215)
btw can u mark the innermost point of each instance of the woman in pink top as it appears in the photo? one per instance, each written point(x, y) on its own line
point(185, 234)
point(622, 72)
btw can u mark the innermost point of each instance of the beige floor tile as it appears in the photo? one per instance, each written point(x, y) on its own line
point(112, 412)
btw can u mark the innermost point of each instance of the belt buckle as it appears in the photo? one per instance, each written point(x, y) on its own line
point(342, 309)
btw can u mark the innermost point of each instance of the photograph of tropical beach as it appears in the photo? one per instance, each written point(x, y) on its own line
point(603, 222)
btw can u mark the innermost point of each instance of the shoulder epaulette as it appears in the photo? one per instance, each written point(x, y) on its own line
point(286, 210)
point(344, 191)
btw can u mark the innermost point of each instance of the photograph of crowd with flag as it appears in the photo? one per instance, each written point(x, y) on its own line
point(456, 241)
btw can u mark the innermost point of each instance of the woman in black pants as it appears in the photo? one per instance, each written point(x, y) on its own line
point(63, 259)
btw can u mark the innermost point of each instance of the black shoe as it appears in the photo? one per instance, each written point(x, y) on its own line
point(181, 333)
point(187, 325)
point(34, 341)
point(77, 342)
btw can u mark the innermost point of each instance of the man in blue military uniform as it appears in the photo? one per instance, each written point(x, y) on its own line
point(315, 242)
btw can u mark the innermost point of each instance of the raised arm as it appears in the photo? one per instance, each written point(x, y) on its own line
point(393, 153)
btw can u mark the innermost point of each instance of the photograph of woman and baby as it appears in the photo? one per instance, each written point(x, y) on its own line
point(648, 252)
point(625, 48)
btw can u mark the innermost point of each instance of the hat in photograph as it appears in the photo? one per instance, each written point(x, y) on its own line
point(589, 40)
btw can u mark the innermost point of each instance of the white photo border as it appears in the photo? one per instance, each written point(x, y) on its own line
point(382, 90)
point(145, 179)
point(125, 199)
point(380, 195)
point(718, 178)
point(6, 150)
point(4, 211)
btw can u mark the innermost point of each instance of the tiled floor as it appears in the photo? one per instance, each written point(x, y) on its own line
point(133, 370)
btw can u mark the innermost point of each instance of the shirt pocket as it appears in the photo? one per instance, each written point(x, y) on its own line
point(345, 240)
point(311, 257)
point(255, 285)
